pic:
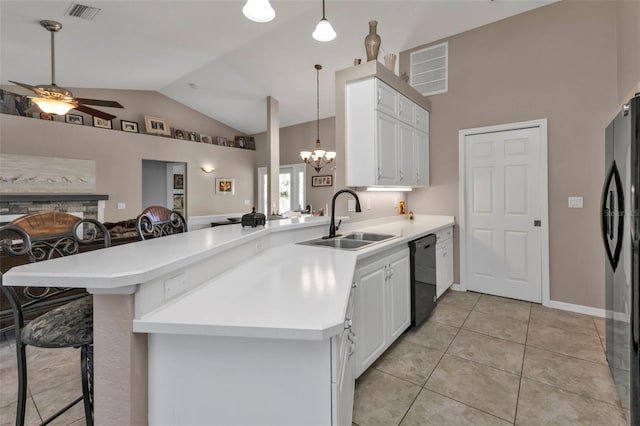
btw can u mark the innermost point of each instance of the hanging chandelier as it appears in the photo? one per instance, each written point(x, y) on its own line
point(319, 157)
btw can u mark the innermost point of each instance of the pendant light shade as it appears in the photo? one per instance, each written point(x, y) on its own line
point(259, 11)
point(324, 31)
point(318, 158)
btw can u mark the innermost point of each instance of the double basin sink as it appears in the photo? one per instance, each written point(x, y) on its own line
point(353, 241)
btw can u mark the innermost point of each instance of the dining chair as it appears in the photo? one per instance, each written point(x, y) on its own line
point(159, 221)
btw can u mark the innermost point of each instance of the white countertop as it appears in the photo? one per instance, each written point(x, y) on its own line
point(289, 291)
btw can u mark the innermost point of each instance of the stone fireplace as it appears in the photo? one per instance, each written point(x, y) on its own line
point(88, 206)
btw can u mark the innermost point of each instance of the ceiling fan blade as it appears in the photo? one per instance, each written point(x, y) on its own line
point(98, 102)
point(30, 87)
point(94, 112)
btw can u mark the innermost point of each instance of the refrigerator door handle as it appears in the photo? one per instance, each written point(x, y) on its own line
point(614, 197)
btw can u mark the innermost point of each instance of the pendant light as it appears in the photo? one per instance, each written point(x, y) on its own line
point(319, 157)
point(258, 11)
point(324, 31)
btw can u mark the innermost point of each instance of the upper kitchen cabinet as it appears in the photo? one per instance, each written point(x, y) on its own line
point(387, 132)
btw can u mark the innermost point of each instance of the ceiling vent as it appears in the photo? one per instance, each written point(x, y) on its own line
point(430, 69)
point(83, 12)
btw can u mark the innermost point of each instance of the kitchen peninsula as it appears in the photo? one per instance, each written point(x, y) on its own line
point(232, 324)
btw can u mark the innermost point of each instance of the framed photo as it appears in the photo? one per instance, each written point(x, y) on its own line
point(239, 141)
point(129, 126)
point(193, 137)
point(74, 119)
point(178, 202)
point(102, 123)
point(251, 143)
point(205, 139)
point(323, 180)
point(157, 126)
point(178, 181)
point(46, 116)
point(225, 186)
point(178, 134)
point(221, 141)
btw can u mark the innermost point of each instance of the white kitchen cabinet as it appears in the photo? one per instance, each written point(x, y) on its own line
point(444, 260)
point(343, 384)
point(382, 144)
point(383, 305)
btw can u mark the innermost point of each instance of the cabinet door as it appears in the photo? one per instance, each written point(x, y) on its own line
point(370, 313)
point(399, 296)
point(422, 119)
point(444, 266)
point(422, 158)
point(387, 149)
point(407, 158)
point(406, 110)
point(386, 99)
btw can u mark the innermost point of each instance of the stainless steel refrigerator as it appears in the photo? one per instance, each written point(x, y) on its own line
point(621, 234)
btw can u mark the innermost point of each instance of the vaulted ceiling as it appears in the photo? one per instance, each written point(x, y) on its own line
point(208, 56)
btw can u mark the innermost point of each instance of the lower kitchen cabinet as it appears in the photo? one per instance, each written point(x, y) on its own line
point(382, 305)
point(444, 260)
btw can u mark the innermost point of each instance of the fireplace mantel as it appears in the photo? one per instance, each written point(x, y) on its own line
point(53, 197)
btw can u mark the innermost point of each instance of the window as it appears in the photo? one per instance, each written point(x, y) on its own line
point(430, 69)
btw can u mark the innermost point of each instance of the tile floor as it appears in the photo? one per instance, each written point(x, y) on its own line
point(485, 360)
point(53, 382)
point(479, 360)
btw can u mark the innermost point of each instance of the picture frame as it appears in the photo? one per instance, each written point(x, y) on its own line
point(206, 139)
point(102, 123)
point(193, 137)
point(178, 202)
point(157, 125)
point(322, 180)
point(178, 181)
point(129, 126)
point(221, 141)
point(46, 116)
point(178, 134)
point(74, 119)
point(251, 143)
point(225, 186)
point(239, 141)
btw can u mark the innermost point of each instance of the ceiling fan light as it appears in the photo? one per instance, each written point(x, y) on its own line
point(324, 31)
point(258, 11)
point(51, 106)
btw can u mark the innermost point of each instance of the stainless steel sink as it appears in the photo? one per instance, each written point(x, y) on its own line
point(367, 236)
point(340, 243)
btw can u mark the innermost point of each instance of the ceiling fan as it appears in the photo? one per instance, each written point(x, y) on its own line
point(54, 99)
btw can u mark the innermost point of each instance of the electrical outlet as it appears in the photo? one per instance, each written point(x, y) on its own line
point(246, 202)
point(173, 286)
point(351, 205)
point(122, 206)
point(575, 202)
point(368, 203)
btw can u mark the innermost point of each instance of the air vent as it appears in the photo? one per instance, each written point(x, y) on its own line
point(83, 12)
point(429, 69)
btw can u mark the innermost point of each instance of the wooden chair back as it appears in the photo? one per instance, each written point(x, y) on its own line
point(159, 221)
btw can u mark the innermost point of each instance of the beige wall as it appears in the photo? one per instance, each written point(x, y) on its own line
point(559, 63)
point(628, 37)
point(119, 154)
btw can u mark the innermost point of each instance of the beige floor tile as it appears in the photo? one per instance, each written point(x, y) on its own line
point(575, 375)
point(8, 378)
point(503, 307)
point(409, 361)
point(432, 334)
point(75, 414)
point(497, 326)
point(485, 388)
point(600, 324)
point(578, 345)
point(462, 300)
point(568, 321)
point(488, 350)
point(8, 414)
point(381, 399)
point(545, 405)
point(431, 409)
point(449, 315)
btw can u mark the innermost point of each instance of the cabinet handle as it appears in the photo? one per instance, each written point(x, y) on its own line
point(400, 107)
point(379, 97)
point(348, 323)
point(354, 284)
point(401, 175)
point(418, 177)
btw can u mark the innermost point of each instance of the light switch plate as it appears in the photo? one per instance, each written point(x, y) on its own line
point(122, 206)
point(351, 205)
point(368, 203)
point(575, 202)
point(246, 202)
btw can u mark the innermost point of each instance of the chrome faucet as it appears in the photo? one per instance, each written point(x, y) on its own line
point(333, 227)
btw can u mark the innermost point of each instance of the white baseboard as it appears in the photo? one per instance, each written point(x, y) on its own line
point(587, 310)
point(457, 287)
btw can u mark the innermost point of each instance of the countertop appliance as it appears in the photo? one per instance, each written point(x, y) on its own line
point(423, 278)
point(621, 234)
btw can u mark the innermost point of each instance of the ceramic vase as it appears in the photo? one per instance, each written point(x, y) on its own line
point(372, 42)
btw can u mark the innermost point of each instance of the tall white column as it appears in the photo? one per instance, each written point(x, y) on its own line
point(273, 144)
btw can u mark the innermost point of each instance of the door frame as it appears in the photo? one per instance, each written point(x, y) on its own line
point(544, 197)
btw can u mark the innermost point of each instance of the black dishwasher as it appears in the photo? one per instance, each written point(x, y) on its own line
point(423, 278)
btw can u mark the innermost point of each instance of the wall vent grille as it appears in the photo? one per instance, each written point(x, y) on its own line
point(430, 69)
point(83, 12)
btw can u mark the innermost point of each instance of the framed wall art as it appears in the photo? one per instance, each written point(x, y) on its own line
point(129, 126)
point(157, 126)
point(101, 123)
point(178, 181)
point(323, 180)
point(74, 119)
point(205, 139)
point(225, 186)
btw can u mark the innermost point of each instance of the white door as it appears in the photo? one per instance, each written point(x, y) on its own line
point(503, 212)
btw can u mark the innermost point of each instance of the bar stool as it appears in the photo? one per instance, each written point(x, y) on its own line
point(159, 221)
point(67, 320)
